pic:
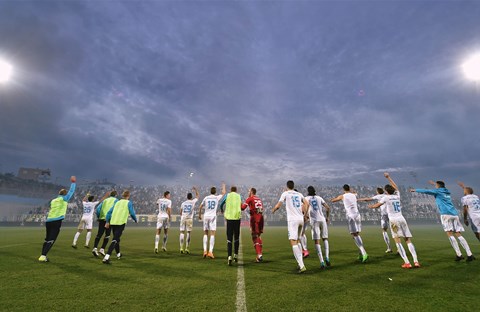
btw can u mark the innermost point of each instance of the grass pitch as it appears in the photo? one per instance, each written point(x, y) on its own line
point(74, 280)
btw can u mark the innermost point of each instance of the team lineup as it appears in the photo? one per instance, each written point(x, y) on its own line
point(301, 211)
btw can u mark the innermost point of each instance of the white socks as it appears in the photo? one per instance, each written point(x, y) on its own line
point(318, 248)
point(303, 241)
point(205, 241)
point(182, 239)
point(157, 239)
point(386, 239)
point(212, 242)
point(165, 237)
point(75, 239)
point(188, 240)
point(87, 241)
point(411, 248)
point(327, 249)
point(454, 243)
point(297, 252)
point(359, 243)
point(465, 246)
point(402, 253)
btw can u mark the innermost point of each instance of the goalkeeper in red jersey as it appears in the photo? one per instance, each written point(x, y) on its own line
point(256, 220)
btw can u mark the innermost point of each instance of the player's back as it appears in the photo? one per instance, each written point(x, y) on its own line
point(315, 209)
point(444, 202)
point(89, 208)
point(383, 208)
point(255, 205)
point(163, 205)
point(188, 208)
point(350, 204)
point(393, 206)
point(210, 203)
point(473, 204)
point(293, 201)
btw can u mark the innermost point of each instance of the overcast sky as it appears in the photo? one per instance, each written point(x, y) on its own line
point(245, 91)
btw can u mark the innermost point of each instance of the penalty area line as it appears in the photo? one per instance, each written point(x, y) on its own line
point(241, 302)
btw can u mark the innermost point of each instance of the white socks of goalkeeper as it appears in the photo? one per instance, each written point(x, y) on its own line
point(464, 244)
point(359, 243)
point(87, 241)
point(318, 248)
point(182, 239)
point(297, 253)
point(75, 239)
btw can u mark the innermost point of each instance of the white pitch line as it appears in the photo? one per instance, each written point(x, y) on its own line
point(241, 303)
point(14, 245)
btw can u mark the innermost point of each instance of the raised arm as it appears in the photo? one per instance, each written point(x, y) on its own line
point(365, 199)
point(200, 211)
point(336, 199)
point(461, 184)
point(69, 195)
point(224, 188)
point(390, 180)
point(197, 195)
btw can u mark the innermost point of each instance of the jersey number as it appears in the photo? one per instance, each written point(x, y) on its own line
point(211, 204)
point(396, 206)
point(296, 202)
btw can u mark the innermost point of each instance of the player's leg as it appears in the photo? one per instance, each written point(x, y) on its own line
point(455, 246)
point(77, 234)
point(89, 226)
point(165, 235)
point(236, 239)
point(212, 225)
point(117, 233)
point(384, 221)
point(303, 241)
point(465, 246)
point(101, 230)
point(324, 236)
point(157, 235)
point(189, 224)
point(108, 232)
point(413, 252)
point(52, 237)
point(48, 240)
point(401, 251)
point(355, 229)
point(182, 235)
point(315, 228)
point(295, 229)
point(205, 237)
point(229, 240)
point(259, 231)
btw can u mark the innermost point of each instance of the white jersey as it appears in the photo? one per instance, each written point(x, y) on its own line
point(163, 205)
point(383, 208)
point(350, 204)
point(393, 206)
point(187, 208)
point(315, 209)
point(88, 209)
point(294, 202)
point(473, 204)
point(210, 203)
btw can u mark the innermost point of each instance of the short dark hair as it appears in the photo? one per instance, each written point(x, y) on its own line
point(311, 191)
point(290, 185)
point(390, 189)
point(253, 190)
point(469, 190)
point(189, 196)
point(91, 198)
point(126, 194)
point(441, 183)
point(346, 187)
point(113, 193)
point(233, 189)
point(166, 193)
point(380, 190)
point(213, 190)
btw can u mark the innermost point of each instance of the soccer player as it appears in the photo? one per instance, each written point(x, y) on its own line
point(398, 224)
point(186, 220)
point(87, 218)
point(471, 209)
point(383, 216)
point(297, 208)
point(449, 218)
point(210, 203)
point(232, 213)
point(117, 218)
point(318, 223)
point(101, 213)
point(58, 208)
point(353, 218)
point(256, 221)
point(163, 220)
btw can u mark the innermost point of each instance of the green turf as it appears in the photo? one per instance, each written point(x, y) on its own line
point(75, 281)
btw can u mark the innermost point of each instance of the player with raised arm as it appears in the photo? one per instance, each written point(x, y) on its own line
point(186, 219)
point(383, 216)
point(117, 218)
point(318, 223)
point(210, 203)
point(297, 208)
point(87, 218)
point(56, 214)
point(398, 224)
point(101, 213)
point(163, 220)
point(471, 209)
point(256, 221)
point(354, 219)
point(449, 218)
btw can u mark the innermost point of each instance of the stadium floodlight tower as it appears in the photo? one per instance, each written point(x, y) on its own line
point(471, 68)
point(5, 71)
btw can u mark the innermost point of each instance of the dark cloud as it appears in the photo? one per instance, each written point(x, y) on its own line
point(240, 91)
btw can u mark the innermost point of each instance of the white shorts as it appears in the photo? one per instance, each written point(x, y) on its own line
point(451, 223)
point(354, 224)
point(210, 224)
point(86, 223)
point(162, 223)
point(475, 224)
point(384, 222)
point(319, 229)
point(294, 229)
point(186, 224)
point(399, 228)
